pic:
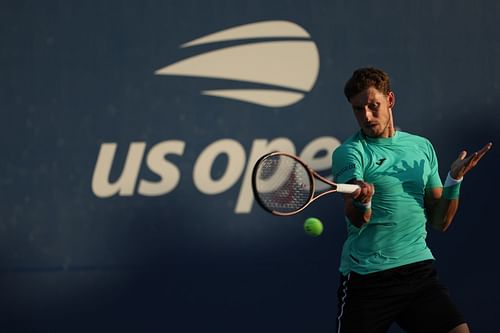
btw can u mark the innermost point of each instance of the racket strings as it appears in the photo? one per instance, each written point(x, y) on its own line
point(283, 184)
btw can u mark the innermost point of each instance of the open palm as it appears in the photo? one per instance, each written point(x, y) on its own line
point(464, 164)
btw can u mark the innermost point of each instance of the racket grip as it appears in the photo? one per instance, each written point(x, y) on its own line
point(346, 188)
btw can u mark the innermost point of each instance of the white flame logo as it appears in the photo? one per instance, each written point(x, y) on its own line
point(290, 65)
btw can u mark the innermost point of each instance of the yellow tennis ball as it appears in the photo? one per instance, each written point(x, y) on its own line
point(313, 226)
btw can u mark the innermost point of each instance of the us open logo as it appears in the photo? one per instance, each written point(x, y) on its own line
point(280, 60)
point(277, 54)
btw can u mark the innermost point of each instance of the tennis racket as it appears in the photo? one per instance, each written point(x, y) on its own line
point(284, 185)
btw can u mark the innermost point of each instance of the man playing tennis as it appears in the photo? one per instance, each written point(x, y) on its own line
point(387, 272)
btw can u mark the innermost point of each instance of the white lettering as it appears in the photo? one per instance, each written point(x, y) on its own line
point(316, 154)
point(168, 172)
point(126, 182)
point(202, 170)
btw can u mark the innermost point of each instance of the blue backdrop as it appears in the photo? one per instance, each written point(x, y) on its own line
point(124, 182)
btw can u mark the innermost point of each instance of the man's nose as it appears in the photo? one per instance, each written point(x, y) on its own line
point(367, 113)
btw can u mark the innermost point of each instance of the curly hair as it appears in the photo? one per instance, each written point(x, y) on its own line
point(364, 78)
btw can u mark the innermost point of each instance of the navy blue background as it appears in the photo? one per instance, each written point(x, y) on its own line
point(74, 75)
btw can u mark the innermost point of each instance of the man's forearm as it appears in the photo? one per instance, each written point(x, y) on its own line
point(443, 212)
point(357, 215)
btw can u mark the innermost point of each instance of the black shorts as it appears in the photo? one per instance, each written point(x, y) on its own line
point(410, 296)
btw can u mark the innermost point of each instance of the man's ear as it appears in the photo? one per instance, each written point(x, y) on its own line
point(391, 98)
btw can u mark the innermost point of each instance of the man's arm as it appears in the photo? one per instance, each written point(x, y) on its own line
point(357, 206)
point(442, 204)
point(440, 211)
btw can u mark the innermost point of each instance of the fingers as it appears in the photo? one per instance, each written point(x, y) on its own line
point(462, 155)
point(484, 150)
point(462, 165)
point(364, 193)
point(474, 158)
point(469, 161)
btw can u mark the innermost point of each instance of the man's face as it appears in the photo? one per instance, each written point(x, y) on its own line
point(372, 110)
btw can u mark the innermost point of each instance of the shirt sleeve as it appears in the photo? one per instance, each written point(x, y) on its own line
point(433, 180)
point(346, 165)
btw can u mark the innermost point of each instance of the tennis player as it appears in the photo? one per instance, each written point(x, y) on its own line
point(387, 272)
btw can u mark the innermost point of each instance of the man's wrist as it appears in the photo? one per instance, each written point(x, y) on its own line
point(362, 206)
point(450, 181)
point(451, 188)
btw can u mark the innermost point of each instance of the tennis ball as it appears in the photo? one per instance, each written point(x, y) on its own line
point(313, 226)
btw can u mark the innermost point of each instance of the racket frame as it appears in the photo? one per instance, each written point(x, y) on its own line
point(313, 175)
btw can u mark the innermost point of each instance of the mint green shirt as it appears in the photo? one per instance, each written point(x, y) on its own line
point(401, 168)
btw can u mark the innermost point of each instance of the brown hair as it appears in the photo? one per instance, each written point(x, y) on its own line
point(365, 78)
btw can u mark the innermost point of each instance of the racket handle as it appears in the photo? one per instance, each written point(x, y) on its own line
point(346, 188)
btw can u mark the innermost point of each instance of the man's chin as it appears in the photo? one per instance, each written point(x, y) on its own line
point(371, 132)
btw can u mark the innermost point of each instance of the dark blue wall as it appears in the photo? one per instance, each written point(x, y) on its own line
point(76, 76)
